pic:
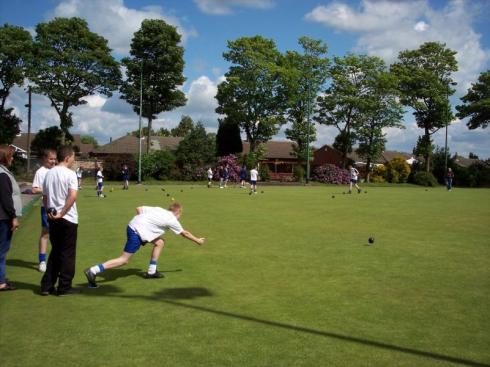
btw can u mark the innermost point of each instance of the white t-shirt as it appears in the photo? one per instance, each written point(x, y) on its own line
point(79, 173)
point(39, 179)
point(210, 173)
point(100, 176)
point(253, 174)
point(153, 221)
point(57, 183)
point(353, 173)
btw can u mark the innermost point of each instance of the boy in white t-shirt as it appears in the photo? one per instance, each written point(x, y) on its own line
point(147, 226)
point(254, 174)
point(210, 177)
point(100, 183)
point(49, 161)
point(354, 173)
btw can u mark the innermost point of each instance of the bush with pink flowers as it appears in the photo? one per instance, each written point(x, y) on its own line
point(330, 173)
point(233, 167)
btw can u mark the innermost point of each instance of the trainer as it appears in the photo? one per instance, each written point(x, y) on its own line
point(60, 192)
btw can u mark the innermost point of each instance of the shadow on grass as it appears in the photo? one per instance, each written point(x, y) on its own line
point(173, 295)
point(22, 264)
point(114, 274)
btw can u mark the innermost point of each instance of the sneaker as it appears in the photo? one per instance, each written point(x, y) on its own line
point(90, 278)
point(155, 275)
point(42, 267)
point(68, 292)
point(47, 292)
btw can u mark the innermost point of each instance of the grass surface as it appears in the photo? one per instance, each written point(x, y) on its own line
point(285, 278)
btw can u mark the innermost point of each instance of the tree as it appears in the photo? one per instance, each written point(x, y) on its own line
point(183, 128)
point(251, 93)
point(197, 148)
point(228, 139)
point(49, 138)
point(380, 110)
point(303, 76)
point(343, 102)
point(473, 156)
point(87, 139)
point(144, 131)
point(15, 52)
point(425, 85)
point(9, 126)
point(71, 62)
point(476, 103)
point(157, 58)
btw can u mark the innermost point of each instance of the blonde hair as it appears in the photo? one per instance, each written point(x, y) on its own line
point(174, 207)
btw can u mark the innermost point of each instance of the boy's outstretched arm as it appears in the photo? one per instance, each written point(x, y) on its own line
point(190, 236)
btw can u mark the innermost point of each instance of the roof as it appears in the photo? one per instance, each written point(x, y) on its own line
point(20, 141)
point(275, 149)
point(130, 144)
point(465, 162)
point(388, 155)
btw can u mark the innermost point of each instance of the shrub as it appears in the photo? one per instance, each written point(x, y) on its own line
point(157, 164)
point(378, 174)
point(299, 173)
point(113, 166)
point(234, 168)
point(397, 170)
point(264, 172)
point(330, 173)
point(423, 178)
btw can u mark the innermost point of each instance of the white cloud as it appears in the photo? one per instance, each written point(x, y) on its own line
point(224, 7)
point(421, 26)
point(116, 22)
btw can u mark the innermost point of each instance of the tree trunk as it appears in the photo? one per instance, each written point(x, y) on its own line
point(148, 142)
point(427, 151)
point(368, 169)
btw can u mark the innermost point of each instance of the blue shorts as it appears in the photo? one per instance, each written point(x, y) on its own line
point(253, 182)
point(354, 181)
point(44, 218)
point(134, 242)
point(100, 185)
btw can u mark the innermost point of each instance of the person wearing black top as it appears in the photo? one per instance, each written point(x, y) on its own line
point(10, 209)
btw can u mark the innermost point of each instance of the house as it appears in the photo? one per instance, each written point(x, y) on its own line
point(464, 162)
point(279, 157)
point(20, 144)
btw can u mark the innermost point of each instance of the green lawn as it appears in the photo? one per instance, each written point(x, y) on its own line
point(285, 278)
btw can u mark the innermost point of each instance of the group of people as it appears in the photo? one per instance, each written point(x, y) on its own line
point(224, 176)
point(58, 184)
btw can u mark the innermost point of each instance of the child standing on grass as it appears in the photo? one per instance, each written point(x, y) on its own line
point(210, 177)
point(354, 173)
point(100, 182)
point(147, 226)
point(253, 180)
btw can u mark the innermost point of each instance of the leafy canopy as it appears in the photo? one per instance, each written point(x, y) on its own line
point(476, 103)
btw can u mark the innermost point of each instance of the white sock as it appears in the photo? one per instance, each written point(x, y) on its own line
point(95, 269)
point(152, 269)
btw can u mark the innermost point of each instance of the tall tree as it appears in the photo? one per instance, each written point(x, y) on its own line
point(70, 63)
point(343, 101)
point(425, 85)
point(251, 93)
point(157, 58)
point(15, 52)
point(228, 139)
point(381, 109)
point(197, 148)
point(476, 103)
point(303, 76)
point(184, 127)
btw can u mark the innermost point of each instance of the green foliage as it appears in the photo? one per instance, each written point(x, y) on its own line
point(70, 63)
point(15, 53)
point(425, 85)
point(228, 139)
point(476, 175)
point(302, 77)
point(264, 172)
point(9, 126)
point(157, 164)
point(397, 170)
point(49, 138)
point(251, 93)
point(196, 149)
point(158, 58)
point(113, 165)
point(253, 158)
point(476, 103)
point(144, 132)
point(299, 173)
point(88, 139)
point(424, 178)
point(183, 128)
point(378, 174)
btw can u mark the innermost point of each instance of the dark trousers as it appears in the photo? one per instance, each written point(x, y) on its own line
point(61, 261)
point(5, 237)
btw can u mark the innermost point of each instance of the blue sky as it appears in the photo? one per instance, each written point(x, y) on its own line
point(374, 27)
